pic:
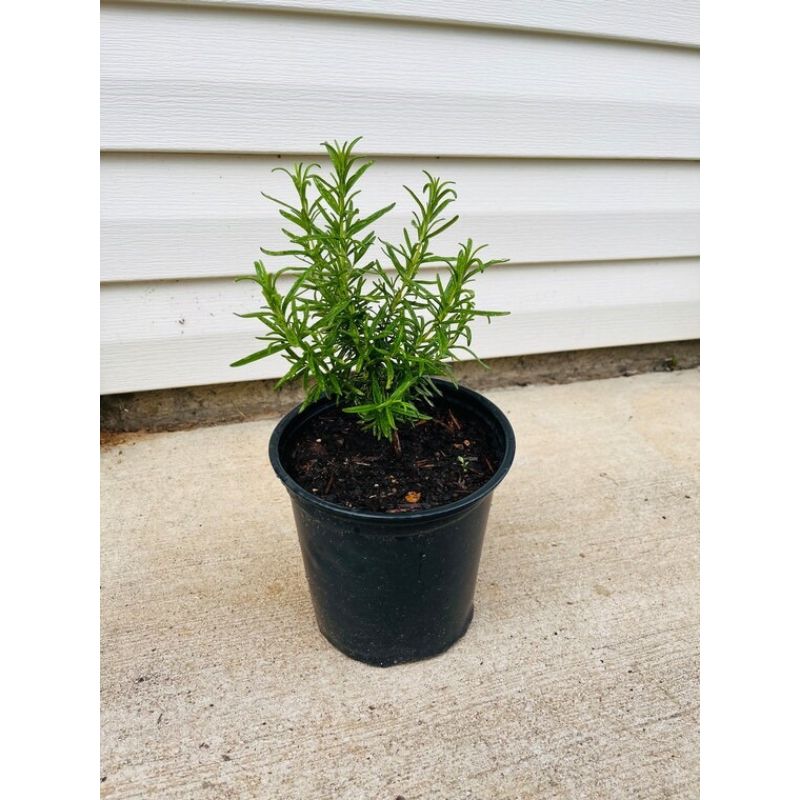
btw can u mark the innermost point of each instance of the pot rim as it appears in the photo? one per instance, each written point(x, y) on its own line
point(407, 517)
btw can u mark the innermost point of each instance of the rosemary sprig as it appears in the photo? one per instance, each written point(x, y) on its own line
point(368, 334)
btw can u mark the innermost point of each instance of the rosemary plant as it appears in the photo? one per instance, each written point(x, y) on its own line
point(369, 333)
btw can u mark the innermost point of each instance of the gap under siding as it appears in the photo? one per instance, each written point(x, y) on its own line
point(193, 406)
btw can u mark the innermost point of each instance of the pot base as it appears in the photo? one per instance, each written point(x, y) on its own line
point(377, 660)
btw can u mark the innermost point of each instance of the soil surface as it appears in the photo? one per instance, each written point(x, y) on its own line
point(441, 460)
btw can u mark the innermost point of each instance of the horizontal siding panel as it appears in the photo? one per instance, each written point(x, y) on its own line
point(181, 333)
point(668, 21)
point(170, 216)
point(225, 80)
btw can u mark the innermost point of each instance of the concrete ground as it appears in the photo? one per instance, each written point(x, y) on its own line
point(578, 678)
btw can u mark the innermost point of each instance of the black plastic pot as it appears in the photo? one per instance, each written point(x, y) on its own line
point(393, 588)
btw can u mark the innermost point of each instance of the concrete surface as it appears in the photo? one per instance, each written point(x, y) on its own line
point(577, 679)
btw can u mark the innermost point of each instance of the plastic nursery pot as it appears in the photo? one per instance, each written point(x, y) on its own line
point(393, 588)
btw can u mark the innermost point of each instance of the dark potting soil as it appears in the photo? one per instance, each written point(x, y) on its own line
point(440, 460)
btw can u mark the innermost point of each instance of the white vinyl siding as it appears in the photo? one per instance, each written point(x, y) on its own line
point(574, 156)
point(230, 80)
point(665, 21)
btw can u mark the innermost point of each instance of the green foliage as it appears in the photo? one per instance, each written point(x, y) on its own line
point(371, 335)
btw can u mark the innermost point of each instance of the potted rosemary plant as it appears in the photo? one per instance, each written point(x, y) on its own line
point(389, 464)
